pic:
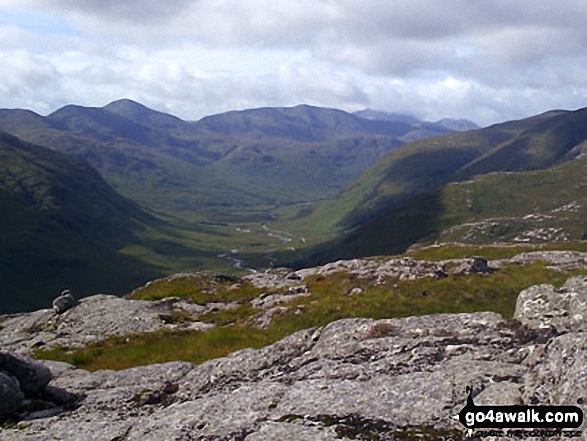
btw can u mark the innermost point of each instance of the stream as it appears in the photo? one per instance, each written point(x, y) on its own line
point(283, 236)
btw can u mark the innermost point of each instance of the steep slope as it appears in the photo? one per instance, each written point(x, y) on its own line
point(62, 226)
point(140, 160)
point(541, 206)
point(548, 143)
point(411, 169)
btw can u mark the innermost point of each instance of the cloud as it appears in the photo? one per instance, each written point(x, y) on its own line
point(28, 81)
point(139, 12)
point(489, 60)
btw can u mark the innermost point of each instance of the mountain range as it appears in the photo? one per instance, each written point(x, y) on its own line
point(237, 159)
point(103, 199)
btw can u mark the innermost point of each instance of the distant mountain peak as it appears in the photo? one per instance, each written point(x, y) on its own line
point(126, 104)
point(142, 114)
point(129, 108)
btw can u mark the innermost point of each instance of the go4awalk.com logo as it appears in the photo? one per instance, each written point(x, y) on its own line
point(544, 420)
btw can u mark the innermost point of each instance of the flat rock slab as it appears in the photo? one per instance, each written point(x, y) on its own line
point(381, 377)
point(93, 320)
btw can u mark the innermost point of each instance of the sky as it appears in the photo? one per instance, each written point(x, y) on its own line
point(483, 60)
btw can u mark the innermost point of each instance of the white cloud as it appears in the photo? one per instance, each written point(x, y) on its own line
point(489, 61)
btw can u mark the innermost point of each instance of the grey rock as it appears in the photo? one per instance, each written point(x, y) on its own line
point(473, 265)
point(11, 397)
point(58, 368)
point(32, 375)
point(564, 309)
point(500, 394)
point(379, 270)
point(94, 320)
point(401, 378)
point(64, 302)
point(270, 301)
point(561, 260)
point(263, 320)
point(560, 376)
point(294, 431)
point(353, 373)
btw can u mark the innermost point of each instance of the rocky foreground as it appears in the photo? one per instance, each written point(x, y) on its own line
point(352, 379)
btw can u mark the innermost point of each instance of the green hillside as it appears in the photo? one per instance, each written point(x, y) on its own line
point(255, 189)
point(213, 186)
point(252, 159)
point(550, 142)
point(61, 227)
point(401, 199)
point(407, 171)
point(537, 207)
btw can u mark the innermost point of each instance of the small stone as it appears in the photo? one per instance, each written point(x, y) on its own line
point(64, 302)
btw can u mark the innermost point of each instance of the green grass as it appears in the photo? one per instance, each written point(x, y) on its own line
point(329, 302)
point(489, 252)
point(159, 347)
point(495, 292)
point(408, 170)
point(495, 208)
point(199, 288)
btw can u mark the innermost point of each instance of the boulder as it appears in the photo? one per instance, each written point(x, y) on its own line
point(32, 375)
point(11, 397)
point(564, 309)
point(472, 265)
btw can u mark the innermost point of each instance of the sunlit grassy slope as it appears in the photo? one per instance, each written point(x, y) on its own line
point(535, 207)
point(407, 171)
point(423, 191)
point(329, 301)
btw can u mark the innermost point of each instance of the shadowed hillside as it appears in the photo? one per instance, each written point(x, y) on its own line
point(62, 226)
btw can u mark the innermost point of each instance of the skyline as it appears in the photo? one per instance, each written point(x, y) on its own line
point(487, 62)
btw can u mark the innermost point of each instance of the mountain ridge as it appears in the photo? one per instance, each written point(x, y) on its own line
point(233, 160)
point(182, 167)
point(64, 224)
point(531, 190)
